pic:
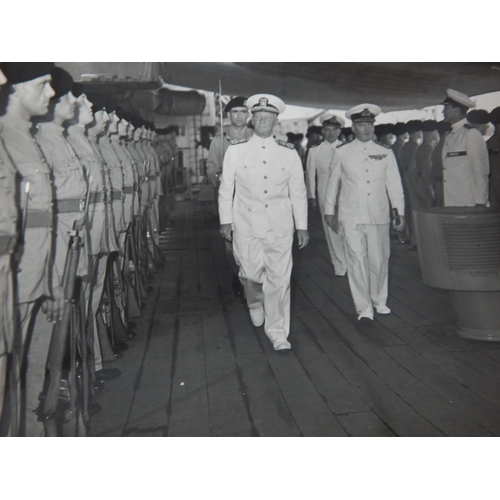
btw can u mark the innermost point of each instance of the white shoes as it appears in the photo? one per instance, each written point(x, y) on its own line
point(257, 316)
point(366, 315)
point(382, 310)
point(281, 345)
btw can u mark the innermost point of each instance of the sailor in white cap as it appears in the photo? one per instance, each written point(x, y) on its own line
point(465, 156)
point(319, 164)
point(262, 198)
point(367, 175)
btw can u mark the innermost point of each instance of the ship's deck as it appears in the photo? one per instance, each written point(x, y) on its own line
point(198, 367)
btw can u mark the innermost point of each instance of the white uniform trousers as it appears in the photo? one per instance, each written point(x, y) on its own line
point(335, 242)
point(265, 271)
point(367, 249)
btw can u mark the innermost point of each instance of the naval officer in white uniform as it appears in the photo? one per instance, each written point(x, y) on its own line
point(367, 175)
point(319, 164)
point(262, 198)
point(465, 156)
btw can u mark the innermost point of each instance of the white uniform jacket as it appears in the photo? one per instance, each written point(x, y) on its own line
point(267, 181)
point(370, 179)
point(465, 167)
point(319, 163)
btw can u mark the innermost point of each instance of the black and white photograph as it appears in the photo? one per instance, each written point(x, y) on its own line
point(283, 250)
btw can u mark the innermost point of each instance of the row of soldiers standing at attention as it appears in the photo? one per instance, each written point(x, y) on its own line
point(83, 200)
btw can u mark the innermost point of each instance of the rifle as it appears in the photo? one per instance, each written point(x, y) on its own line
point(154, 250)
point(129, 277)
point(15, 359)
point(55, 385)
point(141, 254)
point(57, 348)
point(113, 301)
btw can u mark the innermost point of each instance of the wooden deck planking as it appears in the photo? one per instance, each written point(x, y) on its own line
point(466, 375)
point(475, 407)
point(227, 407)
point(118, 395)
point(200, 368)
point(396, 414)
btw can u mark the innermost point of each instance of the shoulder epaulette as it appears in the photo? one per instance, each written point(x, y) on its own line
point(240, 141)
point(383, 145)
point(468, 126)
point(315, 145)
point(288, 145)
point(344, 143)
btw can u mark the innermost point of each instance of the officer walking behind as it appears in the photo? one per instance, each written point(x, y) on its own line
point(266, 178)
point(238, 115)
point(319, 163)
point(465, 156)
point(368, 178)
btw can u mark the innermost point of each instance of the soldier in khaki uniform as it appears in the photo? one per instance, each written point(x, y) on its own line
point(421, 176)
point(262, 198)
point(117, 142)
point(153, 170)
point(97, 218)
point(109, 242)
point(238, 116)
point(141, 161)
point(8, 241)
point(400, 130)
point(408, 166)
point(94, 132)
point(444, 128)
point(29, 92)
point(69, 179)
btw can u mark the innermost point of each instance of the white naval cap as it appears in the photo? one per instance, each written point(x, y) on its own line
point(365, 112)
point(330, 118)
point(265, 102)
point(456, 97)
